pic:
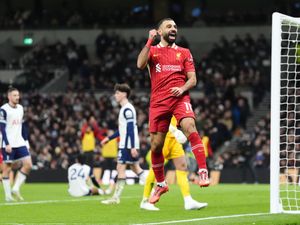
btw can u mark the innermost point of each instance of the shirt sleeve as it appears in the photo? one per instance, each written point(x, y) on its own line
point(128, 114)
point(25, 131)
point(189, 62)
point(3, 118)
point(114, 135)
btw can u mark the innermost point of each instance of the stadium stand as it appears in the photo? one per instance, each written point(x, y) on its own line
point(134, 17)
point(82, 15)
point(233, 79)
point(222, 111)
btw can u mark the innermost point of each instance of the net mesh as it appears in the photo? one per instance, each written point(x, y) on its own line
point(290, 116)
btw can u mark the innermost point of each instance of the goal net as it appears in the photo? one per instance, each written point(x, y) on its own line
point(285, 115)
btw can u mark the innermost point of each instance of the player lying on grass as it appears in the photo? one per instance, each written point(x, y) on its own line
point(173, 150)
point(80, 176)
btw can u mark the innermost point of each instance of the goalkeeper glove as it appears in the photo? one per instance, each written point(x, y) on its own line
point(179, 136)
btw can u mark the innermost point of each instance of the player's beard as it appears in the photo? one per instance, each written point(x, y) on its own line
point(16, 101)
point(169, 37)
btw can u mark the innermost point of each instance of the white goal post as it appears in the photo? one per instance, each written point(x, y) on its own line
point(285, 115)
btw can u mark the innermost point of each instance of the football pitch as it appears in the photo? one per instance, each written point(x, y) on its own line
point(50, 204)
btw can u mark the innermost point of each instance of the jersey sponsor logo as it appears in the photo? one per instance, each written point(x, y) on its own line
point(158, 68)
point(167, 68)
point(172, 68)
point(16, 122)
point(155, 55)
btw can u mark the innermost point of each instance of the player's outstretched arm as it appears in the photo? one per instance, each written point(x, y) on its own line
point(144, 54)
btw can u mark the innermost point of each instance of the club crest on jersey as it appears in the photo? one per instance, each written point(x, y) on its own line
point(178, 55)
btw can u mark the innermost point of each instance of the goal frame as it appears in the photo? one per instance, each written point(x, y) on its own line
point(275, 202)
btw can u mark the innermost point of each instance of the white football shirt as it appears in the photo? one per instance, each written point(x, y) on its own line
point(78, 175)
point(13, 118)
point(127, 115)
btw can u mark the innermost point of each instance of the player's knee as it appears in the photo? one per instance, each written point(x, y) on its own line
point(189, 128)
point(181, 166)
point(27, 167)
point(5, 172)
point(156, 146)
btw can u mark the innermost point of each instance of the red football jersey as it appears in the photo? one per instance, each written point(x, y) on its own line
point(168, 67)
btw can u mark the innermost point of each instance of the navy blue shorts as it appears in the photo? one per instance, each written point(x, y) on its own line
point(124, 156)
point(16, 154)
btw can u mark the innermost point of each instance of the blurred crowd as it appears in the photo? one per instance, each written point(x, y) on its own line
point(222, 111)
point(55, 123)
point(252, 150)
point(135, 16)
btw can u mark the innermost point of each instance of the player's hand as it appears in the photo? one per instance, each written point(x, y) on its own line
point(152, 34)
point(8, 149)
point(134, 152)
point(104, 141)
point(176, 91)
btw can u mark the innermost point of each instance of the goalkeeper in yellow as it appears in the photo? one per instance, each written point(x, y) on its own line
point(173, 150)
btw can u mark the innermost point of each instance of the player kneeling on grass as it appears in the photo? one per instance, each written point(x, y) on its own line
point(79, 176)
point(173, 150)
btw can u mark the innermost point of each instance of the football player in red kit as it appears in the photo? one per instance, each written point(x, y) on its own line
point(172, 74)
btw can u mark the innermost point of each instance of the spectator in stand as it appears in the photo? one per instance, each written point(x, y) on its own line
point(247, 152)
point(89, 132)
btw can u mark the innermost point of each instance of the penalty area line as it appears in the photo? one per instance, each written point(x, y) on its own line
point(91, 198)
point(203, 219)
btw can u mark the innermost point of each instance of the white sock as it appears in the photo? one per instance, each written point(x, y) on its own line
point(20, 179)
point(119, 188)
point(6, 187)
point(142, 177)
point(162, 184)
point(187, 199)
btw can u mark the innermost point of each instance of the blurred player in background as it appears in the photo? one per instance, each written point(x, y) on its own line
point(129, 142)
point(89, 132)
point(172, 74)
point(109, 153)
point(79, 177)
point(14, 144)
point(1, 164)
point(173, 150)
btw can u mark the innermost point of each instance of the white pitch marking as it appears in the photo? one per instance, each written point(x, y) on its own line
point(57, 201)
point(201, 219)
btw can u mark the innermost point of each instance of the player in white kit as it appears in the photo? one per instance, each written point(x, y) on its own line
point(14, 144)
point(129, 143)
point(79, 175)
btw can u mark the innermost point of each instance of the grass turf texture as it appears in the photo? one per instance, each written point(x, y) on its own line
point(51, 204)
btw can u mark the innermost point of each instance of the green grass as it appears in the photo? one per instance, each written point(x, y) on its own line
point(222, 199)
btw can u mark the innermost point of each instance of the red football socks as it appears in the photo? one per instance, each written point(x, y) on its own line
point(157, 160)
point(198, 149)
